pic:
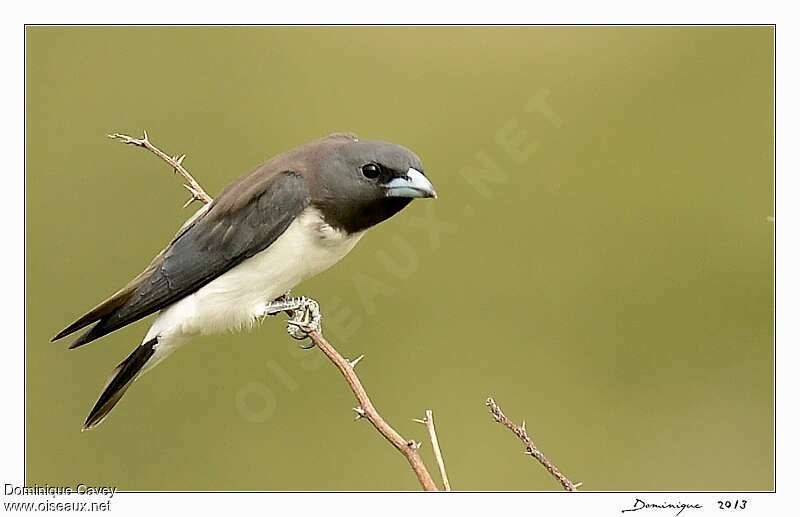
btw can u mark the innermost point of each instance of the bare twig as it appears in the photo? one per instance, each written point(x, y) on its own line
point(530, 448)
point(194, 188)
point(365, 409)
point(437, 451)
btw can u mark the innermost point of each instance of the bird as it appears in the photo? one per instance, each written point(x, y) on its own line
point(234, 261)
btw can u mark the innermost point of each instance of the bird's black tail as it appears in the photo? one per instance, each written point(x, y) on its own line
point(121, 379)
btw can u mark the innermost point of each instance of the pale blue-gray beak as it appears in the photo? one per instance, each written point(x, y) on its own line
point(414, 184)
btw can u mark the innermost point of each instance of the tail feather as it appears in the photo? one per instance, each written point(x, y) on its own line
point(120, 380)
point(101, 329)
point(99, 313)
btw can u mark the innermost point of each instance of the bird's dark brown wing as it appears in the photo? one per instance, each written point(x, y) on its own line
point(244, 220)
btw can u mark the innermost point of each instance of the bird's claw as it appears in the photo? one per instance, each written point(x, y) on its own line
point(305, 319)
point(304, 315)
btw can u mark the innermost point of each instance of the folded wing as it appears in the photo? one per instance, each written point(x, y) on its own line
point(242, 221)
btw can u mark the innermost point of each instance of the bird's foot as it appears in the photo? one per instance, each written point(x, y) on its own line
point(306, 319)
point(304, 315)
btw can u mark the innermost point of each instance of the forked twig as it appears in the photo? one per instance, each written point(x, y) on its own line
point(530, 448)
point(437, 451)
point(365, 409)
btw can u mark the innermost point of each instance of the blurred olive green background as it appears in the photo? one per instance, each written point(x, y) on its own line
point(611, 283)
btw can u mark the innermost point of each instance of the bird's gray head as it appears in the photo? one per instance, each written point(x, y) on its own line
point(360, 183)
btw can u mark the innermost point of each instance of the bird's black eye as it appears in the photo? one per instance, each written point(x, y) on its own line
point(371, 170)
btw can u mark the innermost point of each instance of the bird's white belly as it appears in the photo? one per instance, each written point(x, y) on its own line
point(236, 299)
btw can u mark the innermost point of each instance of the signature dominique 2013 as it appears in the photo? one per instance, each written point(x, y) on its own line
point(639, 504)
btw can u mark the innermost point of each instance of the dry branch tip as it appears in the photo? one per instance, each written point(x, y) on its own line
point(198, 194)
point(530, 447)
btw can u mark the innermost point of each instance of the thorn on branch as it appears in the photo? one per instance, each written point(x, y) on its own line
point(360, 413)
point(355, 361)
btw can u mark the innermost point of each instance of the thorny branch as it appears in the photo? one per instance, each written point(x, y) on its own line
point(530, 448)
point(366, 409)
point(194, 188)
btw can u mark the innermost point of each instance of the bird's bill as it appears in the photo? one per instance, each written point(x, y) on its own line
point(414, 184)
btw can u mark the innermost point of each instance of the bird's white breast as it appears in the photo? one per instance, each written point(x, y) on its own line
point(236, 298)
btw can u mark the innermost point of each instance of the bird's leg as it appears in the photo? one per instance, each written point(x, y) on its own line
point(304, 314)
